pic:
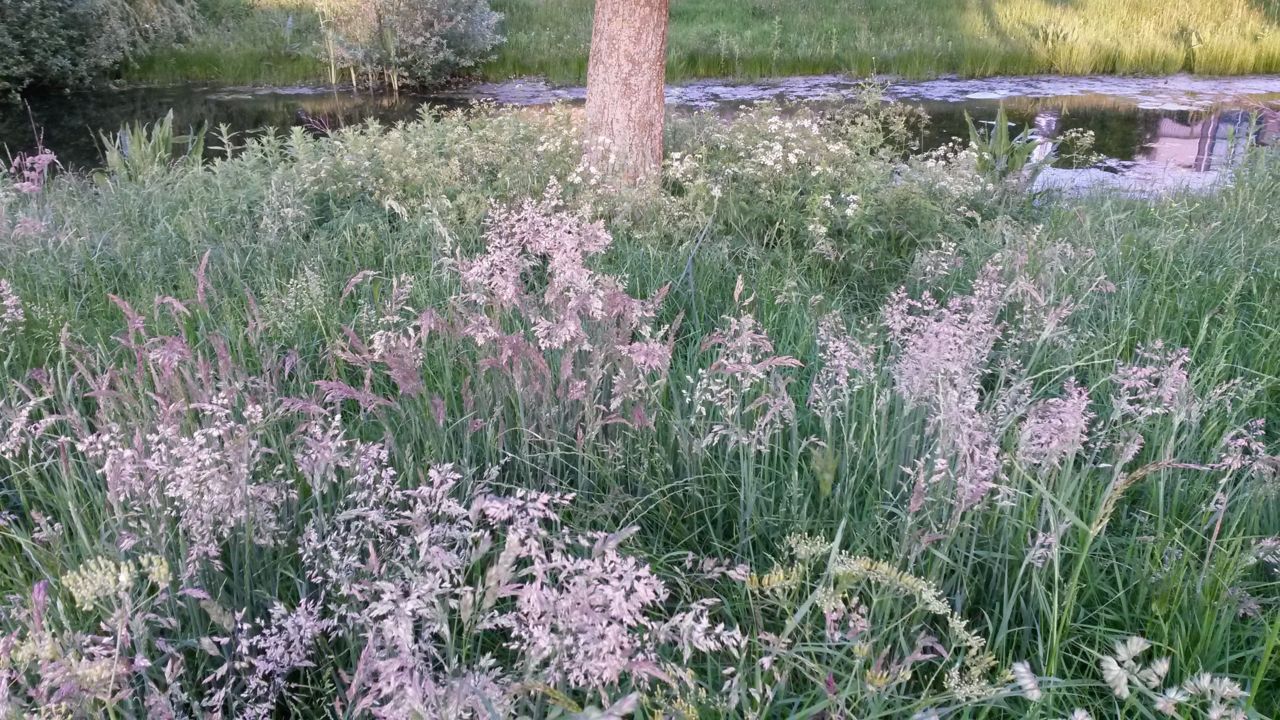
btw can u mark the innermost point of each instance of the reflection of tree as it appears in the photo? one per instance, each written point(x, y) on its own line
point(947, 120)
point(1226, 136)
point(1206, 142)
point(1046, 130)
point(1176, 139)
point(1118, 133)
point(1269, 122)
point(1201, 141)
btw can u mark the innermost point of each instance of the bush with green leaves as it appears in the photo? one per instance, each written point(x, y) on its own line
point(71, 42)
point(421, 41)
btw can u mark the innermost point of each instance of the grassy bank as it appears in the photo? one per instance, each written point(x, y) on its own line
point(761, 38)
point(263, 43)
point(384, 424)
point(758, 38)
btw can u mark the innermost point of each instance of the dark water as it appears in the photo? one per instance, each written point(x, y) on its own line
point(70, 123)
point(1154, 126)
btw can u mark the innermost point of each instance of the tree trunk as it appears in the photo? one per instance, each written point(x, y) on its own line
point(626, 76)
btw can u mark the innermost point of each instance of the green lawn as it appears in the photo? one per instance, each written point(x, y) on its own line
point(760, 38)
point(916, 38)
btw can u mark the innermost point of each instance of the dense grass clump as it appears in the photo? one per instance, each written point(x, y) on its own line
point(378, 42)
point(387, 424)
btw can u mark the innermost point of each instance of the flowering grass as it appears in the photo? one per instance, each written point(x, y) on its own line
point(390, 425)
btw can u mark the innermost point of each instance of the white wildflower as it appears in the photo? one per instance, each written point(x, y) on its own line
point(1115, 677)
point(1129, 649)
point(1027, 681)
point(1168, 701)
point(1153, 675)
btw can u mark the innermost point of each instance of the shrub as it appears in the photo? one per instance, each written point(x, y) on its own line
point(423, 41)
point(70, 42)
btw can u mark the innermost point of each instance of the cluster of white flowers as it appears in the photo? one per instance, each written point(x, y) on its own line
point(1215, 696)
point(952, 170)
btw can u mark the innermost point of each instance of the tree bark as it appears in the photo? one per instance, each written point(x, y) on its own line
point(626, 77)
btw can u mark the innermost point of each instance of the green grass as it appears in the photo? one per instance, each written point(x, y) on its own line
point(207, 62)
point(763, 38)
point(266, 45)
point(288, 222)
point(923, 38)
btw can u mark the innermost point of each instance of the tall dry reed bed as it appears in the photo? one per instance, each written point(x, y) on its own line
point(393, 425)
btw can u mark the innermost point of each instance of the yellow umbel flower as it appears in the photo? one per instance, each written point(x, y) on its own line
point(156, 569)
point(98, 579)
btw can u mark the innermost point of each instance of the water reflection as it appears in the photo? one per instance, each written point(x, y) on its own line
point(1046, 128)
point(1143, 148)
point(1183, 141)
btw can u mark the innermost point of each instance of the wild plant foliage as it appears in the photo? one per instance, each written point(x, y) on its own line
point(391, 427)
point(62, 43)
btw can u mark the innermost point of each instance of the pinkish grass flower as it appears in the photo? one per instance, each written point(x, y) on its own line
point(29, 226)
point(580, 352)
point(846, 364)
point(1155, 383)
point(31, 172)
point(741, 398)
point(11, 314)
point(941, 357)
point(1055, 429)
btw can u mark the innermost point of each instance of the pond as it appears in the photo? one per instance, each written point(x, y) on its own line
point(1165, 131)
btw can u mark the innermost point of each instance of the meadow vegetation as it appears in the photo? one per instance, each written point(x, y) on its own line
point(387, 424)
point(241, 44)
point(921, 38)
point(281, 40)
